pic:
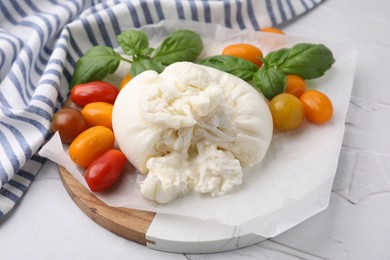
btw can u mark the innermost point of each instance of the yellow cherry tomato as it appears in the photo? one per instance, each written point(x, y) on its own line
point(244, 51)
point(98, 113)
point(90, 144)
point(287, 111)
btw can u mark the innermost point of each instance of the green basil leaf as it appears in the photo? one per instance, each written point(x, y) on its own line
point(276, 58)
point(146, 52)
point(307, 60)
point(96, 64)
point(181, 45)
point(133, 42)
point(145, 64)
point(270, 81)
point(239, 67)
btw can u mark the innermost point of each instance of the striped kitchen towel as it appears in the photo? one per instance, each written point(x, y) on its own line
point(39, 49)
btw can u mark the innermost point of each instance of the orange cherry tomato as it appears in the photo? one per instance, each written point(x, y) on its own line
point(104, 172)
point(272, 30)
point(124, 81)
point(90, 144)
point(318, 107)
point(287, 111)
point(98, 113)
point(295, 85)
point(69, 123)
point(244, 51)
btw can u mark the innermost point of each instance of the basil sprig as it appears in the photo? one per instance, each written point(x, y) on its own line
point(306, 60)
point(134, 43)
point(99, 61)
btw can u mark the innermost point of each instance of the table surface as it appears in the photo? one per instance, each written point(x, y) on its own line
point(48, 224)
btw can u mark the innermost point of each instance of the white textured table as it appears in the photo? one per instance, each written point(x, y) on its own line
point(48, 225)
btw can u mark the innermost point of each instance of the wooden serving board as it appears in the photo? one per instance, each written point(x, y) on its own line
point(128, 223)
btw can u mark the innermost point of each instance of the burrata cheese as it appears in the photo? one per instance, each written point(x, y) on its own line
point(191, 128)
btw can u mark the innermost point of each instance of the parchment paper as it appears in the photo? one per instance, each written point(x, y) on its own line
point(294, 180)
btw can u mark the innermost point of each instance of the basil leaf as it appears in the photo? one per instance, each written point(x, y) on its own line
point(270, 81)
point(133, 42)
point(276, 58)
point(96, 64)
point(145, 64)
point(307, 60)
point(146, 52)
point(239, 67)
point(182, 45)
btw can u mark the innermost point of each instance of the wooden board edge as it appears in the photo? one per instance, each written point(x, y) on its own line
point(128, 223)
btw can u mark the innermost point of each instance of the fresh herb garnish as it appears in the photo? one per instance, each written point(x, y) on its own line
point(142, 65)
point(306, 60)
point(270, 81)
point(99, 61)
point(134, 43)
point(181, 45)
point(239, 67)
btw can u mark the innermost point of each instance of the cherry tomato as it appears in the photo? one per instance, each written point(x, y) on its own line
point(95, 91)
point(244, 51)
point(272, 30)
point(98, 113)
point(295, 85)
point(69, 122)
point(70, 104)
point(124, 81)
point(287, 111)
point(90, 144)
point(104, 172)
point(318, 107)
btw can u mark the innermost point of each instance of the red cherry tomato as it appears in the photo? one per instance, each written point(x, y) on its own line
point(95, 91)
point(103, 172)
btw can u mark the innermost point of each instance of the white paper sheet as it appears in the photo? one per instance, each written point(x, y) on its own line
point(294, 180)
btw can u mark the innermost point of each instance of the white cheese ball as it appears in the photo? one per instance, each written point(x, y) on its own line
point(191, 128)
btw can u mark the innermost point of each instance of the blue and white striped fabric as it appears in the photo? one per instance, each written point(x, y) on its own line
point(38, 51)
